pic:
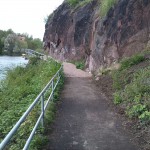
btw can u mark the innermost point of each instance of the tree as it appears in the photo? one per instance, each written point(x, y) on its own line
point(3, 35)
point(9, 31)
point(1, 46)
point(20, 46)
point(37, 43)
point(9, 43)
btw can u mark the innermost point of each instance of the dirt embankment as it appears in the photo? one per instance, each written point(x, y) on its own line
point(140, 133)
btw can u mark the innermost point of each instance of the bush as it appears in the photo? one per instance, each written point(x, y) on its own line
point(117, 98)
point(136, 110)
point(145, 117)
point(106, 5)
point(80, 64)
point(128, 62)
point(78, 3)
point(17, 92)
point(49, 118)
point(73, 2)
point(132, 91)
point(34, 60)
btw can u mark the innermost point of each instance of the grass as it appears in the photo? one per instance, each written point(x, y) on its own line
point(80, 64)
point(128, 62)
point(133, 88)
point(73, 3)
point(78, 3)
point(40, 141)
point(105, 5)
point(17, 92)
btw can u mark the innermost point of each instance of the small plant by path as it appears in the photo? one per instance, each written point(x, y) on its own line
point(133, 88)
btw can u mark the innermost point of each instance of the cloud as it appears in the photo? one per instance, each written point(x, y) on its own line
point(26, 16)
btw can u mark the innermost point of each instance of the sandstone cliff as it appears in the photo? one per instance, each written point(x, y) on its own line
point(81, 32)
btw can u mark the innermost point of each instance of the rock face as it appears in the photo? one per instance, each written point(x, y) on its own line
point(81, 33)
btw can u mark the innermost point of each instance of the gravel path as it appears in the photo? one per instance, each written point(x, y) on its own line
point(84, 121)
point(71, 71)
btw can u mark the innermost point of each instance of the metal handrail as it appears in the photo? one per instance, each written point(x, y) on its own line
point(41, 117)
point(30, 51)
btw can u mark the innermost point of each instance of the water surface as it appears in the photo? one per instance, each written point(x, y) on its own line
point(9, 62)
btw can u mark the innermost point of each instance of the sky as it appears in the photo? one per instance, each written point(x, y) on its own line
point(26, 16)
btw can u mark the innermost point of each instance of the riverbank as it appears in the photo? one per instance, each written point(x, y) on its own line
point(17, 91)
point(9, 62)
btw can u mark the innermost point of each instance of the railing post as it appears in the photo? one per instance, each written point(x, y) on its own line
point(42, 109)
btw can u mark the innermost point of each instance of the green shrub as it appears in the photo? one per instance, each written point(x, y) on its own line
point(128, 62)
point(73, 2)
point(106, 5)
point(117, 98)
point(48, 119)
point(78, 3)
point(84, 2)
point(17, 92)
point(132, 90)
point(80, 65)
point(145, 117)
point(136, 110)
point(34, 60)
point(132, 87)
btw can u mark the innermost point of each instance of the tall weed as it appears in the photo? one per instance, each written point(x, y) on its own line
point(106, 5)
point(17, 92)
point(133, 91)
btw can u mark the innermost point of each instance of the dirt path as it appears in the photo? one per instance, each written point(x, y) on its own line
point(84, 120)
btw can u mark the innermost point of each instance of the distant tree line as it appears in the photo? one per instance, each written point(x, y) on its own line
point(12, 43)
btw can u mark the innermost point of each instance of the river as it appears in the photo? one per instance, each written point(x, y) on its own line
point(9, 62)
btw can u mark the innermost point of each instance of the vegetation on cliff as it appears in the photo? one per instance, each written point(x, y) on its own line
point(77, 3)
point(105, 5)
point(17, 92)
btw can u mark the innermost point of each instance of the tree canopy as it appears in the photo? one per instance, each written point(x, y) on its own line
point(14, 43)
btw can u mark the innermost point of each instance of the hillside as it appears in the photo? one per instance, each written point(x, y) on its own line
point(101, 32)
point(128, 92)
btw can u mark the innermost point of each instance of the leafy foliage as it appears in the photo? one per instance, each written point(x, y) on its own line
point(128, 62)
point(17, 92)
point(73, 2)
point(80, 64)
point(38, 142)
point(133, 88)
point(78, 3)
point(106, 5)
point(3, 35)
point(15, 43)
point(10, 43)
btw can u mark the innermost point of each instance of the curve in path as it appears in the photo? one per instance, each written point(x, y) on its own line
point(71, 71)
point(84, 120)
